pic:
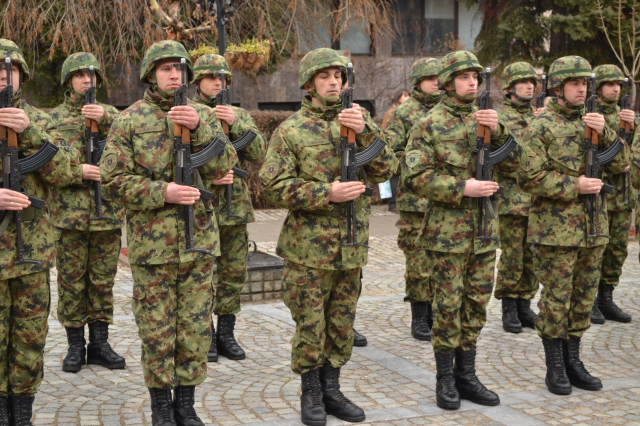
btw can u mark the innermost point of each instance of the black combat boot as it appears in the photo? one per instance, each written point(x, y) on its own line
point(358, 339)
point(311, 405)
point(212, 355)
point(526, 316)
point(419, 323)
point(607, 306)
point(335, 402)
point(99, 350)
point(21, 407)
point(183, 411)
point(447, 395)
point(227, 345)
point(430, 315)
point(161, 408)
point(4, 411)
point(596, 315)
point(467, 382)
point(510, 321)
point(77, 352)
point(556, 380)
point(576, 372)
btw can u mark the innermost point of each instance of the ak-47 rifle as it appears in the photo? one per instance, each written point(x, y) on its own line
point(485, 161)
point(625, 133)
point(352, 161)
point(186, 162)
point(14, 169)
point(543, 92)
point(95, 147)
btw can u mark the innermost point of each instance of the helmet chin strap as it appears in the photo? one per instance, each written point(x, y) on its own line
point(467, 99)
point(212, 99)
point(524, 100)
point(156, 88)
point(569, 104)
point(328, 101)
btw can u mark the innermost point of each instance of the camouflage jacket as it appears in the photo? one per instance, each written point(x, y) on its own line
point(136, 168)
point(73, 207)
point(37, 233)
point(514, 200)
point(554, 143)
point(622, 191)
point(301, 163)
point(241, 204)
point(397, 132)
point(439, 160)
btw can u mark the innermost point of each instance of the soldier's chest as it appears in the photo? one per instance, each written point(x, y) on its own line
point(455, 141)
point(152, 144)
point(71, 129)
point(318, 151)
point(566, 145)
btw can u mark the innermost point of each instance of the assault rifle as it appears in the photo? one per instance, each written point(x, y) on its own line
point(543, 92)
point(485, 160)
point(625, 132)
point(187, 163)
point(352, 161)
point(95, 147)
point(14, 170)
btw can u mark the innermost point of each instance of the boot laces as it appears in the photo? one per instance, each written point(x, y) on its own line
point(557, 363)
point(186, 402)
point(574, 357)
point(21, 411)
point(448, 382)
point(314, 388)
point(333, 386)
point(164, 407)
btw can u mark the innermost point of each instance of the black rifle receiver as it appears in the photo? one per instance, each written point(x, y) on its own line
point(543, 92)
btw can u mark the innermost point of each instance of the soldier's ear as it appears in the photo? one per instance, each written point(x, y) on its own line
point(556, 90)
point(308, 87)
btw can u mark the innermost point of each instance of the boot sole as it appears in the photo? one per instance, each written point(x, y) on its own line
point(234, 358)
point(422, 339)
point(447, 405)
point(558, 391)
point(480, 402)
point(71, 370)
point(597, 321)
point(512, 330)
point(313, 422)
point(359, 345)
point(587, 387)
point(212, 358)
point(110, 367)
point(349, 419)
point(616, 319)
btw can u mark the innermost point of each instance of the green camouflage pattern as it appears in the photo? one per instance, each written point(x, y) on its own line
point(608, 74)
point(615, 253)
point(208, 64)
point(516, 278)
point(440, 158)
point(554, 146)
point(24, 309)
point(136, 168)
point(301, 163)
point(416, 275)
point(518, 71)
point(172, 308)
point(461, 285)
point(424, 67)
point(87, 263)
point(569, 278)
point(231, 268)
point(635, 170)
point(317, 60)
point(78, 62)
point(323, 305)
point(456, 62)
point(160, 51)
point(10, 49)
point(567, 67)
point(72, 207)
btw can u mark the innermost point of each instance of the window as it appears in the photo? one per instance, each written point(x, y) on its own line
point(356, 39)
point(279, 106)
point(423, 26)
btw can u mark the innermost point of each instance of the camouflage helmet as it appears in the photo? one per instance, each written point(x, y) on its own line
point(518, 71)
point(160, 51)
point(425, 67)
point(568, 67)
point(608, 74)
point(456, 62)
point(78, 62)
point(210, 64)
point(10, 49)
point(317, 60)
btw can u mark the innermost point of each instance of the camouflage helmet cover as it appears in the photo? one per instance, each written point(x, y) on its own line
point(608, 74)
point(456, 62)
point(77, 62)
point(425, 67)
point(568, 67)
point(211, 64)
point(518, 71)
point(317, 60)
point(160, 51)
point(10, 49)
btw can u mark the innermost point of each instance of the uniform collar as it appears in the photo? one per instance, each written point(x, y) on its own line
point(157, 100)
point(428, 100)
point(327, 113)
point(198, 100)
point(460, 110)
point(570, 114)
point(524, 108)
point(71, 103)
point(16, 98)
point(606, 108)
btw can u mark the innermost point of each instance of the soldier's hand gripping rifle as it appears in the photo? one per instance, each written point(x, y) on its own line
point(352, 161)
point(95, 147)
point(14, 169)
point(187, 163)
point(625, 134)
point(485, 160)
point(543, 92)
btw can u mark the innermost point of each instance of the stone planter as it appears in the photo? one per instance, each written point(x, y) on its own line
point(264, 280)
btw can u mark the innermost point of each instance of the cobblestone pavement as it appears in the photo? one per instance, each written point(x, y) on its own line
point(393, 378)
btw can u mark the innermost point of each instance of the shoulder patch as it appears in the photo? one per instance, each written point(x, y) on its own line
point(271, 170)
point(110, 161)
point(413, 158)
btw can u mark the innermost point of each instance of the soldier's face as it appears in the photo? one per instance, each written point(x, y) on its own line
point(524, 88)
point(466, 83)
point(429, 84)
point(328, 82)
point(210, 85)
point(80, 82)
point(575, 91)
point(610, 90)
point(168, 77)
point(15, 78)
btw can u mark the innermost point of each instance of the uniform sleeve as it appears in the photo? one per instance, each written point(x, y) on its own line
point(381, 168)
point(219, 166)
point(104, 124)
point(635, 159)
point(396, 134)
point(243, 123)
point(512, 163)
point(621, 161)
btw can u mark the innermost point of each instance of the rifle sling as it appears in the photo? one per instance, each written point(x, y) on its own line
point(209, 209)
point(28, 215)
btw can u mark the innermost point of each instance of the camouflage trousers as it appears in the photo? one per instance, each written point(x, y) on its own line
point(323, 305)
point(462, 284)
point(87, 263)
point(231, 269)
point(615, 252)
point(416, 276)
point(24, 308)
point(569, 276)
point(516, 278)
point(172, 307)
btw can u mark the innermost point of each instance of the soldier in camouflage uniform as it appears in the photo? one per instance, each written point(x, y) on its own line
point(24, 300)
point(173, 289)
point(322, 276)
point(516, 283)
point(620, 202)
point(87, 248)
point(423, 76)
point(566, 259)
point(440, 163)
point(234, 239)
